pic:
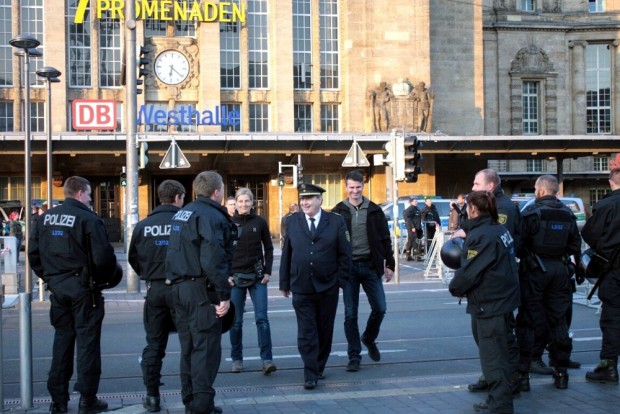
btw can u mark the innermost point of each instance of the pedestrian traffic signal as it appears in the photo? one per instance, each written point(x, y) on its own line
point(142, 62)
point(411, 158)
point(143, 157)
point(123, 179)
point(281, 179)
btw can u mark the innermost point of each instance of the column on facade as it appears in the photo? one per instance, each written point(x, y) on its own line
point(579, 87)
point(551, 105)
point(615, 80)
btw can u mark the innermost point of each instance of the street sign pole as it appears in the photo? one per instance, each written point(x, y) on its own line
point(395, 226)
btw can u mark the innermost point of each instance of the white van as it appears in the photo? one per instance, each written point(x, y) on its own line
point(575, 204)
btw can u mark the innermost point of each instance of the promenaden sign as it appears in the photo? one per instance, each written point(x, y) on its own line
point(166, 10)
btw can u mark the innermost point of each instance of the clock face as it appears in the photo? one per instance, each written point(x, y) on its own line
point(171, 67)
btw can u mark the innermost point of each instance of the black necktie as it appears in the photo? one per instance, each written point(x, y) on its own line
point(312, 227)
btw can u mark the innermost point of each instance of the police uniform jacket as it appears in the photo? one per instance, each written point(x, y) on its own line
point(314, 265)
point(549, 229)
point(149, 243)
point(413, 220)
point(509, 215)
point(488, 273)
point(602, 230)
point(201, 244)
point(379, 239)
point(57, 244)
point(254, 236)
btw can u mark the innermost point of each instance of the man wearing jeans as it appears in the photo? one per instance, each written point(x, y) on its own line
point(372, 257)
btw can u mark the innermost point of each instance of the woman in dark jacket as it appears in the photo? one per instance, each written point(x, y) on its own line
point(488, 278)
point(253, 256)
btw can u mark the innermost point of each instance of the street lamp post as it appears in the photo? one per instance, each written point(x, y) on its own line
point(51, 75)
point(26, 42)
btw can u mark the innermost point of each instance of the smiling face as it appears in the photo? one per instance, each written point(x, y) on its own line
point(244, 204)
point(311, 205)
point(355, 190)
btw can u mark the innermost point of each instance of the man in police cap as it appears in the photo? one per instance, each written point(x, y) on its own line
point(549, 237)
point(315, 262)
point(413, 222)
point(69, 249)
point(602, 233)
point(198, 262)
point(147, 256)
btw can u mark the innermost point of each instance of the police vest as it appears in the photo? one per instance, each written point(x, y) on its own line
point(551, 240)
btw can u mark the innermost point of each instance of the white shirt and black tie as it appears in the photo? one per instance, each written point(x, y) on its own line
point(313, 223)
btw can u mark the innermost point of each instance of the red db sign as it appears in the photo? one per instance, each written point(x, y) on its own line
point(94, 114)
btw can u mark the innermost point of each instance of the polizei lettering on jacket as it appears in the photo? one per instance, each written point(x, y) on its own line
point(59, 220)
point(182, 215)
point(157, 230)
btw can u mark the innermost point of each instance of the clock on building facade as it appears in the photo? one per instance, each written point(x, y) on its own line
point(171, 67)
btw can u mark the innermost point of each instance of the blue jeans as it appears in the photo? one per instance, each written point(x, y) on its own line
point(362, 274)
point(258, 294)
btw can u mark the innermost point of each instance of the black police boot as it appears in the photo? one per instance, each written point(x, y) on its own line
point(92, 405)
point(524, 381)
point(605, 371)
point(560, 378)
point(58, 407)
point(151, 403)
point(480, 386)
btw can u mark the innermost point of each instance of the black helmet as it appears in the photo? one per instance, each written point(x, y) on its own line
point(592, 265)
point(110, 280)
point(451, 252)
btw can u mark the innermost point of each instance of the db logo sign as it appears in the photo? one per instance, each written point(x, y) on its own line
point(94, 114)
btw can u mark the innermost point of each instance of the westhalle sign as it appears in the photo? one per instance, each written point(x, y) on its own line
point(166, 10)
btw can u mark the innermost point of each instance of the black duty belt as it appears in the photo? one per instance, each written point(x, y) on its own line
point(362, 259)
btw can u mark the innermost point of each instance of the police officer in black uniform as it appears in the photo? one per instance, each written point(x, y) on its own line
point(488, 277)
point(508, 215)
point(198, 262)
point(549, 236)
point(58, 253)
point(147, 256)
point(413, 222)
point(602, 233)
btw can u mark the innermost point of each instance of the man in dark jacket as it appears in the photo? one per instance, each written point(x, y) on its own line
point(316, 261)
point(198, 262)
point(372, 258)
point(57, 250)
point(147, 257)
point(413, 222)
point(602, 233)
point(430, 221)
point(549, 235)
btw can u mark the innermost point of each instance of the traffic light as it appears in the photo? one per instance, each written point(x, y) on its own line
point(281, 179)
point(142, 62)
point(411, 158)
point(123, 179)
point(143, 158)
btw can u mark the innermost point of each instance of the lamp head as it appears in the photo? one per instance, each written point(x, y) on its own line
point(24, 41)
point(48, 72)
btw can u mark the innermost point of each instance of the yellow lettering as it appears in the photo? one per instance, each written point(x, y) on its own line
point(146, 9)
point(224, 12)
point(164, 10)
point(80, 12)
point(180, 10)
point(238, 13)
point(210, 16)
point(116, 9)
point(102, 5)
point(195, 13)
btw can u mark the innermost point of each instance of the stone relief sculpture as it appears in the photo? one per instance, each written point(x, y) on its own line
point(551, 6)
point(505, 4)
point(401, 105)
point(531, 59)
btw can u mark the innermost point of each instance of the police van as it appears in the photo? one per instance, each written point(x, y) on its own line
point(575, 204)
point(442, 204)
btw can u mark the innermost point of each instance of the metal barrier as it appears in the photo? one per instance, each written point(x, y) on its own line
point(434, 267)
point(10, 277)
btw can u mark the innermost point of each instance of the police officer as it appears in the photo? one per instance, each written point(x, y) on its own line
point(147, 256)
point(58, 253)
point(602, 233)
point(549, 236)
point(488, 277)
point(198, 261)
point(508, 215)
point(413, 222)
point(316, 260)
